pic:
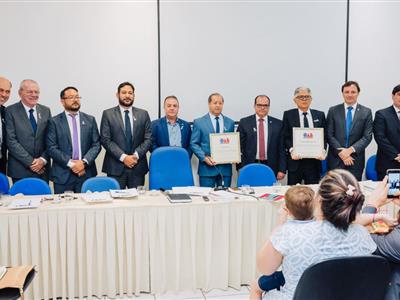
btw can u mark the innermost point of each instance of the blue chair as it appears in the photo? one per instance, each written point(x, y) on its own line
point(256, 175)
point(100, 184)
point(30, 186)
point(4, 184)
point(169, 167)
point(370, 171)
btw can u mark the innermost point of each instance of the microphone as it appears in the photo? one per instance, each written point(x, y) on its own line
point(222, 186)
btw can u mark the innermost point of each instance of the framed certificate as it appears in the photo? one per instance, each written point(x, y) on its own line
point(225, 147)
point(308, 142)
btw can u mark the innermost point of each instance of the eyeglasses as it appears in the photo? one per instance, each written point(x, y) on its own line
point(262, 105)
point(32, 92)
point(72, 97)
point(303, 97)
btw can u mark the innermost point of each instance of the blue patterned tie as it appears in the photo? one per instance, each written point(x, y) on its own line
point(349, 121)
point(217, 125)
point(32, 120)
point(128, 133)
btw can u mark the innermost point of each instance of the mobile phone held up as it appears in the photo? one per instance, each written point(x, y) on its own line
point(393, 182)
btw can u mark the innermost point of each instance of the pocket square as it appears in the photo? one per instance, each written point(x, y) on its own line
point(316, 120)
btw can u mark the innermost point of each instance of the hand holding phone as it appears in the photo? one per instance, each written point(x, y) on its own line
point(393, 182)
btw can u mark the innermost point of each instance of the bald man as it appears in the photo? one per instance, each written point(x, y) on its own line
point(5, 91)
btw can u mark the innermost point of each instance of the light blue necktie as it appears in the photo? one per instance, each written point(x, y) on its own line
point(217, 125)
point(349, 121)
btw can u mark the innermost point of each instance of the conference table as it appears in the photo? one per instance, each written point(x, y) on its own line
point(142, 244)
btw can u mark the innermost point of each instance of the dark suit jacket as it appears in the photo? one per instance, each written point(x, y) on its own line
point(200, 145)
point(387, 133)
point(291, 119)
point(248, 142)
point(112, 137)
point(59, 146)
point(160, 137)
point(3, 159)
point(360, 134)
point(23, 145)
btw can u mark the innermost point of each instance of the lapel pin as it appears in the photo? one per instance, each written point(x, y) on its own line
point(39, 116)
point(254, 129)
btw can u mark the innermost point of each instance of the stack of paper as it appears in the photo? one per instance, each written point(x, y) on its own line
point(97, 197)
point(192, 190)
point(25, 202)
point(127, 193)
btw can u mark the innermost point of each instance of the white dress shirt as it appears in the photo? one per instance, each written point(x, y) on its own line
point(220, 121)
point(309, 118)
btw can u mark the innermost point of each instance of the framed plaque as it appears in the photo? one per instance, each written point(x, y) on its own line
point(225, 147)
point(308, 142)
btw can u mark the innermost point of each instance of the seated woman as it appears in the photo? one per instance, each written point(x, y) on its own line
point(339, 201)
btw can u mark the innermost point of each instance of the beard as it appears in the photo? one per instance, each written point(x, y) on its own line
point(74, 108)
point(125, 102)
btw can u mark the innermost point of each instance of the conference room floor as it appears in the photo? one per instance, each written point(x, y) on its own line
point(215, 294)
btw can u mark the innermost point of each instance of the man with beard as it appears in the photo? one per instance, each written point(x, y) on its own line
point(5, 91)
point(73, 143)
point(125, 133)
point(26, 126)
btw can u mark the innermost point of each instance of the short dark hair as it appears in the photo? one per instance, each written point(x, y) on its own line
point(125, 84)
point(62, 93)
point(255, 99)
point(172, 96)
point(341, 198)
point(299, 200)
point(349, 83)
point(396, 89)
point(215, 94)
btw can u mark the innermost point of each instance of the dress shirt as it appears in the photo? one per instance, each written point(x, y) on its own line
point(70, 164)
point(265, 136)
point(396, 109)
point(131, 118)
point(35, 115)
point(174, 134)
point(309, 118)
point(352, 112)
point(220, 121)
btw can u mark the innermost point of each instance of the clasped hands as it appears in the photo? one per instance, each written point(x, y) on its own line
point(345, 156)
point(37, 166)
point(78, 167)
point(130, 161)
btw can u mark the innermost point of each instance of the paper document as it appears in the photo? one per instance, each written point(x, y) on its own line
point(25, 202)
point(191, 190)
point(97, 197)
point(127, 193)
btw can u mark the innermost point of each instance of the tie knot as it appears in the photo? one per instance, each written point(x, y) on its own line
point(73, 115)
point(305, 114)
point(350, 108)
point(217, 118)
point(126, 112)
point(31, 110)
point(260, 120)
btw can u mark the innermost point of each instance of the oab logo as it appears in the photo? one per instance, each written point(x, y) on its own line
point(308, 135)
point(224, 141)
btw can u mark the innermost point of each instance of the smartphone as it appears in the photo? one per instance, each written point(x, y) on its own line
point(393, 182)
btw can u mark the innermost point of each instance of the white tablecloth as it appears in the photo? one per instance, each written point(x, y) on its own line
point(129, 246)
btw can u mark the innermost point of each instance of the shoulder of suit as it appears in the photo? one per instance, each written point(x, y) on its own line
point(139, 110)
point(316, 112)
point(228, 119)
point(291, 111)
point(248, 119)
point(85, 115)
point(272, 119)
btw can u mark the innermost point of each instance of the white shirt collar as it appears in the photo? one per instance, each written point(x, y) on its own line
point(396, 109)
point(27, 108)
point(354, 106)
point(301, 112)
point(214, 116)
point(258, 118)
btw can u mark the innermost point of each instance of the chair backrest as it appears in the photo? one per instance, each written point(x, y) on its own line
point(100, 184)
point(4, 184)
point(370, 171)
point(359, 277)
point(169, 167)
point(256, 175)
point(30, 186)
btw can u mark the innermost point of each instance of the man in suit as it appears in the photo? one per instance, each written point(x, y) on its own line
point(302, 169)
point(5, 91)
point(170, 130)
point(261, 138)
point(73, 143)
point(26, 126)
point(349, 132)
point(125, 133)
point(211, 174)
point(386, 133)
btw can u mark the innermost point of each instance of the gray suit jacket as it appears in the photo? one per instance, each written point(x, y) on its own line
point(59, 146)
point(112, 137)
point(360, 135)
point(23, 145)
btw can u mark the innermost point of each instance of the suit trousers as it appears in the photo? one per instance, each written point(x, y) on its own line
point(306, 171)
point(215, 181)
point(129, 179)
point(74, 183)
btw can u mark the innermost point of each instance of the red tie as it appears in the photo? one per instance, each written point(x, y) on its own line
point(261, 139)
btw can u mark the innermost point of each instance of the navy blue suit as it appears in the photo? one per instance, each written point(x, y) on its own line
point(59, 148)
point(160, 137)
point(200, 144)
